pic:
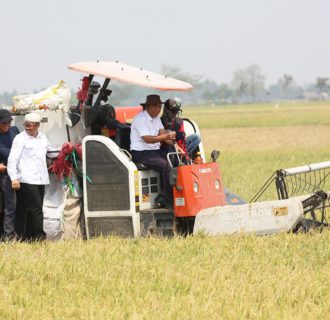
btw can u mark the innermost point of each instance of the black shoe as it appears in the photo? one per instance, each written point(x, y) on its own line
point(160, 201)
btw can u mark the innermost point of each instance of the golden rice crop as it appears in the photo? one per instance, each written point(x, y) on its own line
point(285, 276)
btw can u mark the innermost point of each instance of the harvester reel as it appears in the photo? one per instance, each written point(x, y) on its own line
point(306, 183)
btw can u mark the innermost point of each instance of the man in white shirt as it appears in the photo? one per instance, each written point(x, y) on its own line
point(28, 172)
point(147, 133)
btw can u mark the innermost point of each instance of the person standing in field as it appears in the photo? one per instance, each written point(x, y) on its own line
point(28, 172)
point(147, 132)
point(7, 135)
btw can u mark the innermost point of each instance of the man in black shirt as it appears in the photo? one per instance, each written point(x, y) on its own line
point(7, 135)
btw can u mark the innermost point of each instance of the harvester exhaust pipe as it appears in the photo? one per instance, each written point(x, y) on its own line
point(92, 90)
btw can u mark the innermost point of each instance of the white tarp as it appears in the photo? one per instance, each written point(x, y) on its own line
point(56, 97)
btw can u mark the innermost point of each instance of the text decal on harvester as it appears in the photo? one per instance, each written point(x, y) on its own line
point(179, 202)
point(283, 211)
point(205, 170)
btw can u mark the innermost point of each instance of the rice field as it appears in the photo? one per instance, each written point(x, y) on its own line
point(236, 277)
point(256, 140)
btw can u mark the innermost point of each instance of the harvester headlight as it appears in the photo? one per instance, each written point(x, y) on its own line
point(196, 187)
point(217, 184)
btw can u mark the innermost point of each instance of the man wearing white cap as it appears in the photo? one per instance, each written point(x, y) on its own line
point(28, 172)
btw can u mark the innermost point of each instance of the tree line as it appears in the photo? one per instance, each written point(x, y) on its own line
point(246, 86)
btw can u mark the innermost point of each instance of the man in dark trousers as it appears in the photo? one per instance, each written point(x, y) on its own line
point(28, 172)
point(147, 132)
point(7, 135)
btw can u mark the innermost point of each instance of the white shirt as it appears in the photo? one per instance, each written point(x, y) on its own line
point(144, 125)
point(27, 159)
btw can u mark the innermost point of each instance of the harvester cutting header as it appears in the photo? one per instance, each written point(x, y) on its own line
point(115, 196)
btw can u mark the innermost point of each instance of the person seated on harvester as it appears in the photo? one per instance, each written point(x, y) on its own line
point(147, 133)
point(171, 120)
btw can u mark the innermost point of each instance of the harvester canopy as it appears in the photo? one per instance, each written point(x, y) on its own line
point(126, 73)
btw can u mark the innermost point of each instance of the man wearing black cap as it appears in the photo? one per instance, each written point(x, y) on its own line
point(147, 132)
point(172, 121)
point(7, 134)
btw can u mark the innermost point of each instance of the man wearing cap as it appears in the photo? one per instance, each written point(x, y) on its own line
point(147, 133)
point(28, 172)
point(172, 121)
point(7, 135)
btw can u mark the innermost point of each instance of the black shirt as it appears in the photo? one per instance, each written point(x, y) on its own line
point(6, 141)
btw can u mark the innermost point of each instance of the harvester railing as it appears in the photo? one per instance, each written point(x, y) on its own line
point(305, 179)
point(306, 183)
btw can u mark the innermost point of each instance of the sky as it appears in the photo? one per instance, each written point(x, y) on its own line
point(213, 38)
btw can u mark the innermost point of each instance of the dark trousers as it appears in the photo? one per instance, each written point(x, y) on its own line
point(9, 205)
point(156, 160)
point(29, 215)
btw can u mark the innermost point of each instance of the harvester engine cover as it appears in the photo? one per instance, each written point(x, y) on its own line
point(197, 187)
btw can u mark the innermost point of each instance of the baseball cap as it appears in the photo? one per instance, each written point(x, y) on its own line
point(5, 116)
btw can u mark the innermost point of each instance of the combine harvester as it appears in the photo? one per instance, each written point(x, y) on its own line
point(118, 195)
